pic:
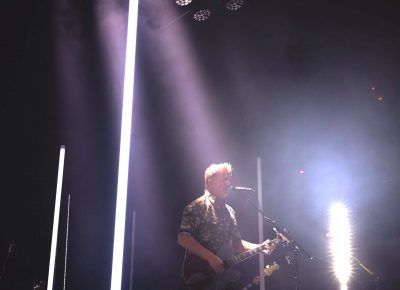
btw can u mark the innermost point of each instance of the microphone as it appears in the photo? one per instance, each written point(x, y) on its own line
point(243, 189)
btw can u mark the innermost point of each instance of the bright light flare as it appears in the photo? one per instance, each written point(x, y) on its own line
point(50, 278)
point(340, 243)
point(122, 187)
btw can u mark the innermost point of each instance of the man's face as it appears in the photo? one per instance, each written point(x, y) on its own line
point(220, 184)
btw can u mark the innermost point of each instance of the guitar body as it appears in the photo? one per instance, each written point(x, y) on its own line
point(198, 275)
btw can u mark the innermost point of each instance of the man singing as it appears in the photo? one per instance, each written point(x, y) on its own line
point(208, 223)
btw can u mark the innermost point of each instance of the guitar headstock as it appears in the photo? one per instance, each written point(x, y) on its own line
point(282, 239)
point(269, 269)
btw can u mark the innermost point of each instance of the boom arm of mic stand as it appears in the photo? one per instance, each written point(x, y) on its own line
point(375, 278)
point(372, 274)
point(289, 240)
point(277, 229)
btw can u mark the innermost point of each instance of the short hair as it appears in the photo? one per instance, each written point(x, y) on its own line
point(213, 169)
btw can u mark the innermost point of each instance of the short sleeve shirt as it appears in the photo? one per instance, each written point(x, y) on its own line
point(211, 222)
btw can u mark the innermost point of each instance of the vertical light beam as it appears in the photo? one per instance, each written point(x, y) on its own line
point(340, 243)
point(122, 187)
point(50, 278)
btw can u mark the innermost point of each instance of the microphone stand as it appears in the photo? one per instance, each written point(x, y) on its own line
point(3, 269)
point(374, 277)
point(292, 260)
point(286, 236)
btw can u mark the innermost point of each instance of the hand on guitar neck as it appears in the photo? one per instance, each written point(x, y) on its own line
point(269, 246)
point(266, 247)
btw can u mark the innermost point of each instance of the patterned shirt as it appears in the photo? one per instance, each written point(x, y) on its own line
point(211, 222)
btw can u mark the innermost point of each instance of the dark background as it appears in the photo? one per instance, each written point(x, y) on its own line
point(310, 85)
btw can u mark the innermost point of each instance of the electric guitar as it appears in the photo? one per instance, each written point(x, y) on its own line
point(198, 274)
point(267, 272)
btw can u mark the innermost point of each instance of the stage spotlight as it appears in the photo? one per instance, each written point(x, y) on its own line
point(234, 4)
point(201, 15)
point(340, 243)
point(202, 9)
point(183, 2)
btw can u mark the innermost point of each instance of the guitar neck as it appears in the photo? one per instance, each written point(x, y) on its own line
point(243, 256)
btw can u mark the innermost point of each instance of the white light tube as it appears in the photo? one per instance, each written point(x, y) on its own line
point(122, 187)
point(56, 219)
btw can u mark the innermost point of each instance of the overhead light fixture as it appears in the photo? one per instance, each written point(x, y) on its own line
point(234, 5)
point(202, 15)
point(202, 9)
point(183, 2)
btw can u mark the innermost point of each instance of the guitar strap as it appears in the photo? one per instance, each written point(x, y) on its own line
point(234, 230)
point(232, 219)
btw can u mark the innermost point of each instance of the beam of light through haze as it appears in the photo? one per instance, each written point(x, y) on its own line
point(186, 86)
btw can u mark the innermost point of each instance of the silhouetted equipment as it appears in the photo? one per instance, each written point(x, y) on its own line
point(3, 268)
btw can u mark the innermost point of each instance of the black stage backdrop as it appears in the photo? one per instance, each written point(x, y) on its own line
point(311, 87)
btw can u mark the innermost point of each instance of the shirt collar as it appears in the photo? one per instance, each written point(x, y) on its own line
point(217, 202)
